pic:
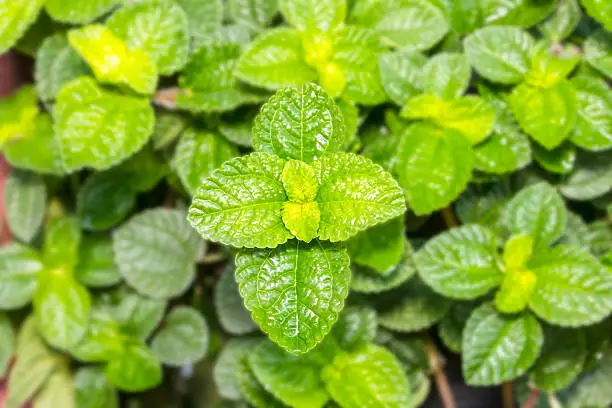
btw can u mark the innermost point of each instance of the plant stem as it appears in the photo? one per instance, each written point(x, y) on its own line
point(507, 395)
point(532, 399)
point(449, 217)
point(444, 390)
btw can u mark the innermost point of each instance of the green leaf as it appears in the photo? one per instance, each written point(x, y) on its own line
point(227, 196)
point(156, 252)
point(593, 130)
point(237, 127)
point(356, 327)
point(461, 263)
point(600, 10)
point(401, 74)
point(295, 291)
point(590, 178)
point(539, 211)
point(168, 127)
point(299, 123)
point(314, 15)
point(551, 63)
point(137, 315)
point(233, 315)
point(354, 194)
point(500, 54)
point(368, 378)
point(562, 359)
point(252, 390)
point(92, 389)
point(483, 203)
point(498, 348)
point(228, 363)
point(102, 342)
point(19, 266)
point(136, 369)
point(112, 60)
point(447, 75)
point(255, 15)
point(158, 27)
point(57, 390)
point(560, 160)
point(302, 219)
point(275, 59)
point(380, 248)
point(411, 307)
point(435, 166)
point(25, 201)
point(183, 338)
point(18, 113)
point(450, 328)
point(572, 287)
point(61, 247)
point(293, 380)
point(546, 114)
point(75, 11)
point(523, 13)
point(515, 290)
point(56, 64)
point(15, 18)
point(563, 21)
point(61, 306)
point(204, 16)
point(7, 342)
point(597, 50)
point(209, 83)
point(592, 387)
point(98, 128)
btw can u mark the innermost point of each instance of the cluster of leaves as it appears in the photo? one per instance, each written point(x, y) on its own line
point(249, 178)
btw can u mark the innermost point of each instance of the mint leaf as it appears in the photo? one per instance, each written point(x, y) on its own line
point(506, 150)
point(600, 11)
point(593, 130)
point(227, 195)
point(228, 363)
point(380, 247)
point(401, 74)
point(204, 16)
point(92, 390)
point(498, 348)
point(461, 263)
point(572, 287)
point(25, 200)
point(516, 12)
point(597, 52)
point(590, 178)
point(313, 15)
point(61, 247)
point(156, 252)
point(17, 16)
point(356, 327)
point(447, 75)
point(102, 341)
point(450, 328)
point(74, 11)
point(560, 160)
point(98, 128)
point(592, 387)
point(354, 194)
point(302, 219)
point(233, 316)
point(275, 59)
point(135, 369)
point(57, 390)
point(7, 340)
point(252, 390)
point(539, 211)
point(255, 15)
point(137, 315)
point(368, 378)
point(551, 64)
point(499, 53)
point(19, 266)
point(563, 21)
point(293, 380)
point(96, 266)
point(299, 123)
point(483, 203)
point(430, 157)
point(274, 284)
point(112, 60)
point(17, 115)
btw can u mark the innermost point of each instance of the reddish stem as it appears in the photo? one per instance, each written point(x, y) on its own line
point(532, 399)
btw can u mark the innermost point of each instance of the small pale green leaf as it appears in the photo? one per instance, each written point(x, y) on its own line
point(551, 63)
point(183, 338)
point(227, 365)
point(295, 291)
point(598, 51)
point(156, 252)
point(447, 75)
point(102, 341)
point(500, 54)
point(61, 247)
point(252, 390)
point(401, 74)
point(168, 127)
point(255, 15)
point(19, 266)
point(380, 248)
point(232, 314)
point(482, 203)
point(517, 251)
point(313, 15)
point(498, 348)
point(15, 18)
point(356, 327)
point(368, 378)
point(522, 13)
point(600, 10)
point(204, 16)
point(302, 219)
point(7, 343)
point(136, 369)
point(137, 315)
point(560, 160)
point(98, 128)
point(249, 189)
point(515, 290)
point(591, 177)
point(539, 211)
point(452, 324)
point(18, 113)
point(25, 201)
point(354, 194)
point(562, 21)
point(300, 181)
point(92, 390)
point(58, 390)
point(593, 130)
point(75, 11)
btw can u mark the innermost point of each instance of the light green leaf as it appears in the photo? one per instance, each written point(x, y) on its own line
point(233, 316)
point(137, 315)
point(293, 380)
point(17, 114)
point(204, 16)
point(7, 343)
point(136, 369)
point(56, 64)
point(354, 194)
point(461, 263)
point(539, 211)
point(25, 201)
point(254, 15)
point(158, 27)
point(498, 348)
point(516, 289)
point(300, 181)
point(15, 18)
point(75, 11)
point(168, 127)
point(600, 10)
point(98, 128)
point(590, 179)
point(368, 378)
point(563, 21)
point(551, 64)
point(112, 60)
point(156, 252)
point(447, 75)
point(19, 266)
point(295, 291)
point(562, 359)
point(299, 123)
point(228, 363)
point(380, 248)
point(314, 15)
point(522, 13)
point(61, 246)
point(58, 390)
point(61, 306)
point(560, 160)
point(230, 34)
point(401, 74)
point(302, 219)
point(593, 130)
point(252, 390)
point(450, 328)
point(237, 127)
point(356, 327)
point(102, 342)
point(572, 287)
point(500, 54)
point(275, 59)
point(183, 338)
point(517, 251)
point(435, 166)
point(92, 389)
point(598, 51)
point(197, 154)
point(228, 195)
